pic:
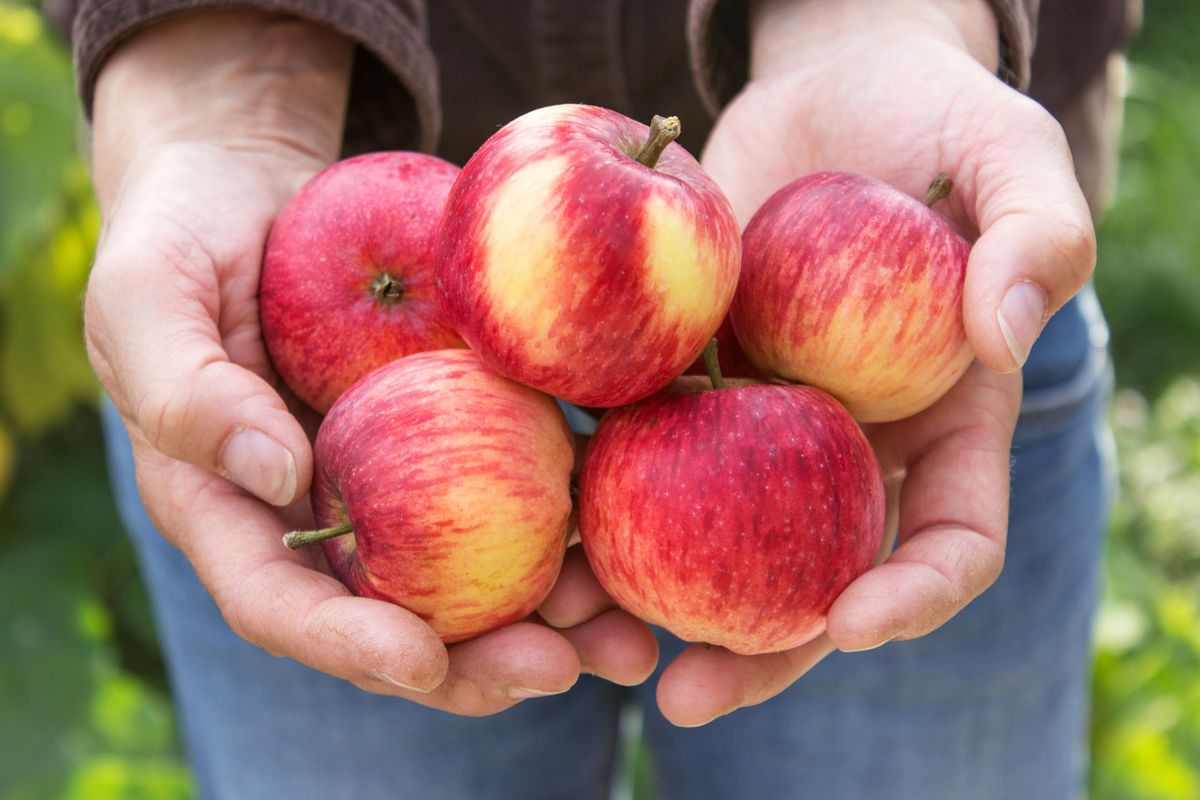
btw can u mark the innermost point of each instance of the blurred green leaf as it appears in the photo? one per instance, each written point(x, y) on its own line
point(43, 366)
point(77, 721)
point(129, 779)
point(1146, 695)
point(38, 152)
point(1147, 274)
point(1140, 765)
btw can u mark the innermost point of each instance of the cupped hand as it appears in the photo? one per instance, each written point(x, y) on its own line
point(902, 91)
point(204, 127)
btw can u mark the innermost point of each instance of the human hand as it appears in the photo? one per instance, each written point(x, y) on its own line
point(204, 127)
point(902, 91)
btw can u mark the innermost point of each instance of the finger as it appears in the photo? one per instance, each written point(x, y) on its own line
point(499, 669)
point(272, 597)
point(1037, 246)
point(577, 596)
point(616, 646)
point(152, 329)
point(953, 518)
point(704, 683)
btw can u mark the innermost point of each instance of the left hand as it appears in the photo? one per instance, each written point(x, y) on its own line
point(901, 91)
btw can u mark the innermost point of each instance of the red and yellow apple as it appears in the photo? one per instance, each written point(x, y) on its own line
point(733, 516)
point(853, 286)
point(444, 488)
point(573, 267)
point(347, 280)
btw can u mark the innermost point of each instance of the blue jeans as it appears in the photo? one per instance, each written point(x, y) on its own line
point(992, 705)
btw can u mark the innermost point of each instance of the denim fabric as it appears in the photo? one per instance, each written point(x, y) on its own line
point(992, 705)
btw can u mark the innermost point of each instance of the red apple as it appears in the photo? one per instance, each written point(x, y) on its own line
point(348, 277)
point(733, 516)
point(571, 266)
point(853, 286)
point(445, 489)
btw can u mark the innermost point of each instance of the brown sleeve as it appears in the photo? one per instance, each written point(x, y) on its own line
point(393, 95)
point(719, 40)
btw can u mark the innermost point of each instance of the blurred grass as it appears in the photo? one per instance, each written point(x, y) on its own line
point(85, 709)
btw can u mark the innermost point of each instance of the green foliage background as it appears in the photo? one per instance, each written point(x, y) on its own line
point(85, 712)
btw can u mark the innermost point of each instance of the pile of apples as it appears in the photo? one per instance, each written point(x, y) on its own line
point(434, 314)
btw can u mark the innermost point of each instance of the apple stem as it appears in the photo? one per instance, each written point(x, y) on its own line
point(297, 539)
point(663, 131)
point(938, 189)
point(713, 364)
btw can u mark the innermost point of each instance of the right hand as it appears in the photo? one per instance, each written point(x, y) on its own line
point(204, 126)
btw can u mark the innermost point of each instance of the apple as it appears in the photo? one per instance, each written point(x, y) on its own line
point(586, 255)
point(732, 516)
point(853, 286)
point(348, 280)
point(444, 488)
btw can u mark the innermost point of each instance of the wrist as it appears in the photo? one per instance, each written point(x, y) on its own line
point(787, 33)
point(240, 79)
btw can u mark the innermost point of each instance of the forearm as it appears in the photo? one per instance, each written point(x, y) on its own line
point(783, 32)
point(243, 79)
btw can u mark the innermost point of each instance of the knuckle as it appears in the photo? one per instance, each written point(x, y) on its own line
point(241, 610)
point(1035, 122)
point(161, 413)
point(177, 413)
point(103, 288)
point(1077, 248)
point(991, 564)
point(234, 613)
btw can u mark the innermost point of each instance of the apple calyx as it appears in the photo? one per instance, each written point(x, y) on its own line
point(386, 289)
point(663, 131)
point(939, 187)
point(713, 364)
point(294, 540)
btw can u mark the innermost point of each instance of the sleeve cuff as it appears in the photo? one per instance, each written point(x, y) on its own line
point(1017, 24)
point(394, 89)
point(719, 46)
point(718, 35)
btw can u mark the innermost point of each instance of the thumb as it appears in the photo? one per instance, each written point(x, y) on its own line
point(1037, 246)
point(154, 338)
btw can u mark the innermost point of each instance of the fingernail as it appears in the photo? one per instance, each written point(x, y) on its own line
point(1021, 314)
point(524, 693)
point(260, 465)
point(708, 721)
point(865, 649)
point(383, 676)
point(695, 724)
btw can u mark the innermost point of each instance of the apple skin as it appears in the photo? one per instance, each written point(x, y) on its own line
point(731, 517)
point(853, 286)
point(457, 484)
point(573, 268)
point(353, 222)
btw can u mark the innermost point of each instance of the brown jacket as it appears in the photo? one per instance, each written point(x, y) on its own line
point(486, 61)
